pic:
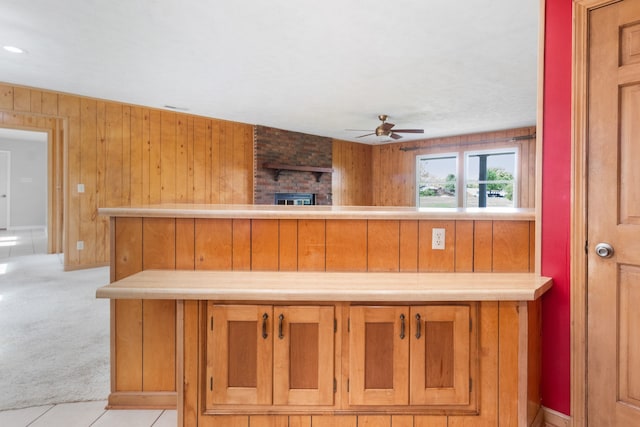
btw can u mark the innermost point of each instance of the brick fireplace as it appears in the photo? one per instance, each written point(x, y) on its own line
point(280, 147)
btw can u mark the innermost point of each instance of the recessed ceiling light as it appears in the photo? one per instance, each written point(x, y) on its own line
point(13, 49)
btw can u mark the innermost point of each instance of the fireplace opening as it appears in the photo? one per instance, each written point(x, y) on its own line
point(295, 199)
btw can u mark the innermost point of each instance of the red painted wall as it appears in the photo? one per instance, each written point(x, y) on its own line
point(556, 205)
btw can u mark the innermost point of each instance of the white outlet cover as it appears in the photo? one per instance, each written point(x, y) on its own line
point(437, 238)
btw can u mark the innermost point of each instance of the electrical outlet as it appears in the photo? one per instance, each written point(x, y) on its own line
point(80, 245)
point(437, 238)
point(80, 188)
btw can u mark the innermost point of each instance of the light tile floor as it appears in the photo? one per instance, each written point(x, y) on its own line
point(81, 414)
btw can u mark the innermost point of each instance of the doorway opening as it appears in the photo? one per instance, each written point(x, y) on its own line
point(24, 183)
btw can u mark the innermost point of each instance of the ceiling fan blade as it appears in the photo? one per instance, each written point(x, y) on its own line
point(409, 130)
point(395, 136)
point(368, 134)
point(387, 126)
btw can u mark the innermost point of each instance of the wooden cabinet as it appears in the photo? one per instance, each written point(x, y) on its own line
point(411, 355)
point(269, 355)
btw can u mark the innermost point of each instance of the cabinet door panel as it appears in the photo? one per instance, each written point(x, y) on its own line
point(440, 352)
point(378, 356)
point(303, 355)
point(239, 356)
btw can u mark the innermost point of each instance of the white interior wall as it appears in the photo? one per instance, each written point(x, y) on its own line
point(28, 186)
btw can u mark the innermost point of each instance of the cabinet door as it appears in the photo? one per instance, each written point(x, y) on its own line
point(239, 355)
point(440, 355)
point(303, 355)
point(378, 355)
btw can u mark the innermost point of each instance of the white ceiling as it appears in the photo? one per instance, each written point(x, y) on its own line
point(313, 66)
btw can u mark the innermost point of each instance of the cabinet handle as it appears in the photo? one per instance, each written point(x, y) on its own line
point(280, 319)
point(264, 325)
point(402, 326)
point(418, 326)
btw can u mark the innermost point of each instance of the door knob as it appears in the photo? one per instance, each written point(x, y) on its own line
point(604, 250)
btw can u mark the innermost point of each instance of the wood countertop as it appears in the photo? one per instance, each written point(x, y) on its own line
point(178, 210)
point(326, 286)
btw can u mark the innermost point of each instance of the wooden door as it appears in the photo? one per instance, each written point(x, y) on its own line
point(239, 355)
point(440, 355)
point(303, 371)
point(378, 355)
point(613, 203)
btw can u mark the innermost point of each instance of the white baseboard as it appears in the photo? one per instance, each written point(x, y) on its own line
point(555, 419)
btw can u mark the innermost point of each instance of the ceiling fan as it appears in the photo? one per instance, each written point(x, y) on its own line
point(386, 129)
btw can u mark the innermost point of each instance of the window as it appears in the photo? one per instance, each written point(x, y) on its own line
point(488, 179)
point(437, 181)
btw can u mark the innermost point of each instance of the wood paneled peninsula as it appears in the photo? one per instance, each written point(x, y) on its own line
point(245, 315)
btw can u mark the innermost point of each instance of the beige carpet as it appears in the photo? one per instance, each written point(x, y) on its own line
point(54, 333)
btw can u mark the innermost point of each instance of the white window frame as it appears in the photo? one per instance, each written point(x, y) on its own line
point(494, 151)
point(462, 166)
point(449, 155)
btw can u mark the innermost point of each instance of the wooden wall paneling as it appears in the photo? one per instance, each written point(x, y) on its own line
point(188, 412)
point(238, 178)
point(300, 421)
point(137, 148)
point(128, 249)
point(511, 246)
point(488, 354)
point(374, 421)
point(334, 421)
point(50, 103)
point(383, 245)
point(402, 421)
point(213, 244)
point(508, 351)
point(6, 97)
point(88, 165)
point(483, 246)
point(351, 178)
point(158, 243)
point(127, 340)
point(532, 246)
point(265, 244)
point(436, 259)
point(36, 101)
point(409, 245)
point(70, 107)
point(215, 163)
point(126, 156)
point(113, 185)
point(168, 157)
point(249, 166)
point(158, 316)
point(146, 166)
point(346, 245)
point(21, 99)
point(182, 159)
point(269, 421)
point(190, 149)
point(201, 152)
point(430, 421)
point(185, 243)
point(288, 245)
point(226, 163)
point(464, 246)
point(155, 156)
point(311, 245)
point(159, 345)
point(241, 246)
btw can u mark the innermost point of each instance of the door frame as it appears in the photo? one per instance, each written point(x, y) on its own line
point(55, 179)
point(8, 195)
point(579, 170)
